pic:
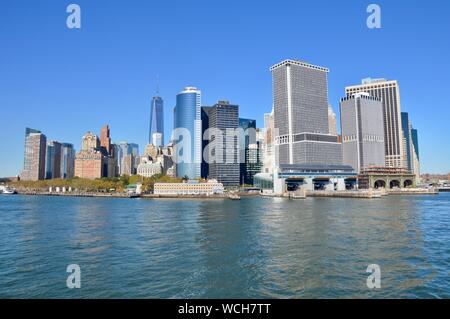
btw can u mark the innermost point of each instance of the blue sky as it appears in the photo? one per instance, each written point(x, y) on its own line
point(66, 82)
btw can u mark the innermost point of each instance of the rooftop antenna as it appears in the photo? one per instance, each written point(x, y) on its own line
point(157, 84)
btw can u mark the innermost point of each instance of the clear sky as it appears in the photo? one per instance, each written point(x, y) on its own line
point(66, 82)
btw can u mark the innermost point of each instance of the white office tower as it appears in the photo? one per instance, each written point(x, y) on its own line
point(300, 99)
point(389, 94)
point(268, 153)
point(157, 139)
point(332, 123)
point(362, 131)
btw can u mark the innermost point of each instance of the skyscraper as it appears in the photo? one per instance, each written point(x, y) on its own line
point(253, 162)
point(157, 139)
point(407, 141)
point(187, 135)
point(389, 93)
point(415, 153)
point(156, 120)
point(105, 140)
point(362, 131)
point(135, 153)
point(411, 146)
point(53, 160)
point(107, 149)
point(122, 150)
point(67, 161)
point(224, 163)
point(332, 121)
point(205, 126)
point(300, 99)
point(126, 157)
point(34, 155)
point(90, 161)
point(248, 127)
point(268, 154)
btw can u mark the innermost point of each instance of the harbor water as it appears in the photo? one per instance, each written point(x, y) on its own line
point(253, 248)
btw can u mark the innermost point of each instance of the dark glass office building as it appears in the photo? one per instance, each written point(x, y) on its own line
point(250, 163)
point(224, 167)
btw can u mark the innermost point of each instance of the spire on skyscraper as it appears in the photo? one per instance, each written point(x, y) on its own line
point(157, 85)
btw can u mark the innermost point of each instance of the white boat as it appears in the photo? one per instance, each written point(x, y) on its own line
point(8, 190)
point(234, 196)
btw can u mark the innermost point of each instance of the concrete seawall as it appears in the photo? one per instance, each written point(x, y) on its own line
point(345, 194)
point(77, 194)
point(363, 194)
point(413, 191)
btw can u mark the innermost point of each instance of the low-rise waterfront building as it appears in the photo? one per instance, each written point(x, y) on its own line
point(310, 177)
point(307, 177)
point(387, 178)
point(190, 187)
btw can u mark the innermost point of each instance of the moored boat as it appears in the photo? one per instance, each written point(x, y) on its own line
point(234, 197)
point(8, 190)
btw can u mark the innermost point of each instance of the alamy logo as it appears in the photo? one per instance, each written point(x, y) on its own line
point(374, 19)
point(374, 280)
point(74, 279)
point(74, 19)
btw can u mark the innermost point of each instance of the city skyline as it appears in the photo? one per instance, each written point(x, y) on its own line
point(45, 97)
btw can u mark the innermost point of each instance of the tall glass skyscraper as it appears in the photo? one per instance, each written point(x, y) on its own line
point(411, 146)
point(187, 137)
point(156, 119)
point(415, 142)
point(406, 128)
point(67, 160)
point(53, 160)
point(249, 138)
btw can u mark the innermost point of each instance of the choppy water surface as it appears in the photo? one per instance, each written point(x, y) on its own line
point(253, 248)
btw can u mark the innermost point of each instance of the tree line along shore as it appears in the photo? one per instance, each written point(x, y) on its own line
point(101, 185)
